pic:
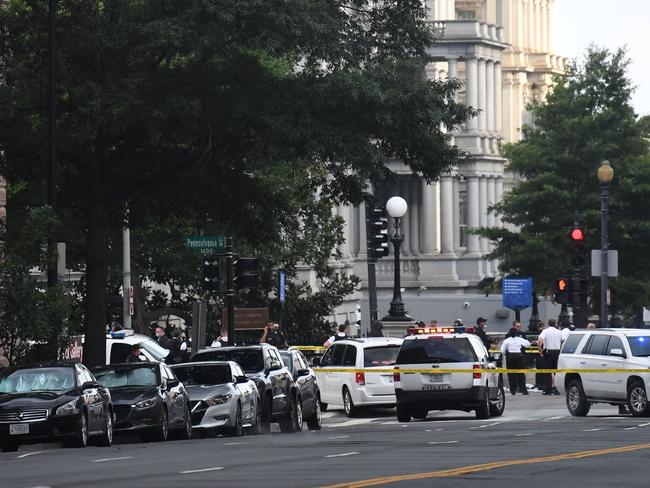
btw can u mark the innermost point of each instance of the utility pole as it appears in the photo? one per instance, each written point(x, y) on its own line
point(51, 139)
point(230, 291)
point(126, 272)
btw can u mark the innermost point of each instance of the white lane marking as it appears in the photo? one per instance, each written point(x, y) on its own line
point(443, 442)
point(111, 459)
point(556, 418)
point(630, 428)
point(486, 425)
point(593, 430)
point(327, 415)
point(339, 437)
point(644, 425)
point(28, 454)
point(352, 422)
point(343, 454)
point(236, 443)
point(523, 435)
point(204, 470)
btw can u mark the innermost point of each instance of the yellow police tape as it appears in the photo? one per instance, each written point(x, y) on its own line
point(321, 348)
point(483, 370)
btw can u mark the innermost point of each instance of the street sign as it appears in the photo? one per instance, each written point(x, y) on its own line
point(248, 318)
point(517, 293)
point(281, 285)
point(612, 263)
point(206, 244)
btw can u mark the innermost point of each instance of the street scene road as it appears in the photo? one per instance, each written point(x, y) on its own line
point(535, 443)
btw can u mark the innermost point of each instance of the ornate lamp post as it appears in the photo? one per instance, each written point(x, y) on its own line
point(605, 177)
point(397, 207)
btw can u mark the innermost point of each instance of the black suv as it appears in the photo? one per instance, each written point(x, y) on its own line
point(55, 402)
point(262, 363)
point(307, 385)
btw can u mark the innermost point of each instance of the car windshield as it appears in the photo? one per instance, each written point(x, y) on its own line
point(250, 360)
point(217, 374)
point(37, 379)
point(158, 352)
point(380, 356)
point(640, 345)
point(122, 376)
point(436, 350)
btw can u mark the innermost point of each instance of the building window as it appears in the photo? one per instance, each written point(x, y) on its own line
point(462, 215)
point(465, 15)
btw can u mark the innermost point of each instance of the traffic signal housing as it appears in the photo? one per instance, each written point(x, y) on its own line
point(562, 290)
point(578, 257)
point(211, 273)
point(377, 234)
point(246, 273)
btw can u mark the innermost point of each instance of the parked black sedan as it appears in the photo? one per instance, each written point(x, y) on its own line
point(305, 380)
point(56, 402)
point(148, 400)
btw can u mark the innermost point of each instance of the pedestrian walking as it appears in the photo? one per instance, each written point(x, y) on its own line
point(512, 349)
point(549, 344)
point(480, 332)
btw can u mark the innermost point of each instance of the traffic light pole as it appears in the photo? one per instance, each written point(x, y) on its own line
point(372, 276)
point(230, 291)
point(604, 247)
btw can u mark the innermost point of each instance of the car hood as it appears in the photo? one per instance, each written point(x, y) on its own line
point(203, 392)
point(132, 394)
point(36, 399)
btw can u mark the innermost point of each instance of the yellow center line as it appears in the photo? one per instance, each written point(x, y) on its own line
point(446, 473)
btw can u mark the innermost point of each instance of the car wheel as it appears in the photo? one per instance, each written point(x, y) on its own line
point(8, 447)
point(298, 420)
point(637, 399)
point(160, 433)
point(498, 405)
point(323, 407)
point(256, 429)
point(267, 413)
point(81, 437)
point(288, 423)
point(348, 405)
point(576, 400)
point(315, 422)
point(420, 413)
point(483, 411)
point(403, 413)
point(237, 430)
point(106, 439)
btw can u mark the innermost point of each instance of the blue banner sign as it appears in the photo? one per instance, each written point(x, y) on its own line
point(517, 293)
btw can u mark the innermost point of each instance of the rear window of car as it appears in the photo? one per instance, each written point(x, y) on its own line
point(571, 344)
point(249, 360)
point(436, 350)
point(639, 345)
point(380, 356)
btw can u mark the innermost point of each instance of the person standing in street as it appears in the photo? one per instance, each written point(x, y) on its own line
point(512, 349)
point(272, 335)
point(162, 339)
point(517, 326)
point(340, 335)
point(480, 332)
point(549, 344)
point(375, 329)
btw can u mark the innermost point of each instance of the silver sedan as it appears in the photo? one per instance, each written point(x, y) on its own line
point(222, 397)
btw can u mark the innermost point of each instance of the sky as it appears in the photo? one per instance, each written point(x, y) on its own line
point(611, 24)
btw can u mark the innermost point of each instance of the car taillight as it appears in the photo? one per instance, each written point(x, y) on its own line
point(396, 376)
point(476, 376)
point(360, 377)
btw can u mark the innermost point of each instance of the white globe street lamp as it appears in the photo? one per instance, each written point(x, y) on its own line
point(397, 208)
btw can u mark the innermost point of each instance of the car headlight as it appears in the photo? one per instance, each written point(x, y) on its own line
point(149, 402)
point(69, 408)
point(218, 400)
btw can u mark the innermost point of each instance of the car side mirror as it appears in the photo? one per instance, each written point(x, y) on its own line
point(172, 384)
point(617, 352)
point(315, 362)
point(241, 379)
point(89, 385)
point(302, 372)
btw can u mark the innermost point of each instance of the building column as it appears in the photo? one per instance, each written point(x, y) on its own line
point(545, 32)
point(483, 210)
point(491, 196)
point(498, 197)
point(482, 99)
point(343, 212)
point(498, 100)
point(414, 210)
point(428, 213)
point(446, 214)
point(473, 209)
point(354, 224)
point(361, 225)
point(456, 200)
point(531, 25)
point(471, 89)
point(491, 106)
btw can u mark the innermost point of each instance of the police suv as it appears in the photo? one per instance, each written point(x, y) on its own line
point(446, 348)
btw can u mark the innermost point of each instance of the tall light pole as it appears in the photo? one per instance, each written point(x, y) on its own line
point(397, 207)
point(605, 177)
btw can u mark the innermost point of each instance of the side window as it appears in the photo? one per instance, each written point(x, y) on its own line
point(303, 361)
point(571, 344)
point(276, 356)
point(597, 345)
point(80, 376)
point(163, 373)
point(295, 358)
point(119, 352)
point(327, 357)
point(350, 356)
point(614, 343)
point(337, 354)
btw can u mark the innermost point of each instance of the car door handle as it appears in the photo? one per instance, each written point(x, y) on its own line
point(602, 364)
point(583, 362)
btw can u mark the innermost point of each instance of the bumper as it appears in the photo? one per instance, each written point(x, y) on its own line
point(466, 399)
point(137, 419)
point(215, 417)
point(52, 429)
point(361, 397)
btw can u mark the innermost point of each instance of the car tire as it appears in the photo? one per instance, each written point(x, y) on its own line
point(483, 411)
point(350, 409)
point(185, 433)
point(420, 413)
point(160, 433)
point(237, 430)
point(81, 436)
point(267, 413)
point(292, 422)
point(8, 447)
point(315, 421)
point(323, 407)
point(498, 406)
point(637, 399)
point(403, 413)
point(576, 400)
point(256, 429)
point(106, 439)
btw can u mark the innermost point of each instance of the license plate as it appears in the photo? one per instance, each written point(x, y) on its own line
point(17, 429)
point(436, 387)
point(435, 378)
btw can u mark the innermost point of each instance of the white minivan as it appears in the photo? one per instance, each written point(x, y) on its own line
point(358, 389)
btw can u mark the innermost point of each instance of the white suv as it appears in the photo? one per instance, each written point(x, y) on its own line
point(358, 389)
point(418, 393)
point(606, 349)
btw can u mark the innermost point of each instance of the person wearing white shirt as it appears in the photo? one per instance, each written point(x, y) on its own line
point(549, 343)
point(512, 349)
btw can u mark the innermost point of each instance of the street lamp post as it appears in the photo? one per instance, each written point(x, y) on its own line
point(397, 207)
point(605, 177)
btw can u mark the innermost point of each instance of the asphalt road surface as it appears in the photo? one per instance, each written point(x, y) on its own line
point(535, 444)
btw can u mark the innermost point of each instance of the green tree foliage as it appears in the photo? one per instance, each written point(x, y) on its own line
point(239, 116)
point(586, 119)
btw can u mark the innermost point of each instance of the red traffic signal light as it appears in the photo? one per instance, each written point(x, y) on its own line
point(577, 234)
point(562, 285)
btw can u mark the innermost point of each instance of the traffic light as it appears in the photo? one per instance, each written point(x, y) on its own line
point(377, 230)
point(578, 258)
point(246, 273)
point(211, 273)
point(562, 290)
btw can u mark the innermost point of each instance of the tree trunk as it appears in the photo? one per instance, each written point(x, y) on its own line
point(96, 277)
point(140, 323)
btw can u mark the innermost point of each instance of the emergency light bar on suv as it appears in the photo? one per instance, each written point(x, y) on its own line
point(439, 330)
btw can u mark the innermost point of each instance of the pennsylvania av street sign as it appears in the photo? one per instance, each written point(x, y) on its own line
point(206, 244)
